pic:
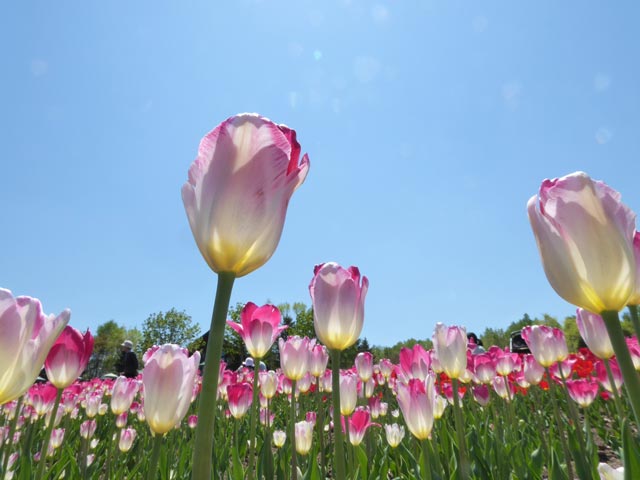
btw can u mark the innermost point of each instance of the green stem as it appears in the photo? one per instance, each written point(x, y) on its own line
point(152, 474)
point(463, 457)
point(320, 428)
point(5, 451)
point(629, 374)
point(614, 390)
point(556, 412)
point(426, 468)
point(635, 318)
point(337, 424)
point(203, 447)
point(84, 447)
point(254, 412)
point(292, 432)
point(47, 436)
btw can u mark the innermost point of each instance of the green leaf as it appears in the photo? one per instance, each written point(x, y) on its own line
point(363, 461)
point(555, 470)
point(630, 453)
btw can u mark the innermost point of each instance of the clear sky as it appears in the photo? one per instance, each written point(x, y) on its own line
point(429, 124)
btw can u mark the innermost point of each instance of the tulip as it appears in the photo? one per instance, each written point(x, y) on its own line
point(482, 394)
point(318, 359)
point(304, 436)
point(603, 378)
point(635, 297)
point(26, 336)
point(348, 393)
point(594, 333)
point(415, 362)
point(121, 420)
point(585, 239)
point(609, 473)
point(450, 346)
point(122, 394)
point(386, 367)
point(127, 436)
point(338, 304)
point(547, 344)
point(359, 422)
point(532, 370)
point(364, 365)
point(168, 378)
point(240, 396)
point(582, 391)
point(417, 402)
point(294, 356)
point(440, 404)
point(68, 357)
point(238, 190)
point(394, 433)
point(504, 388)
point(56, 438)
point(268, 384)
point(42, 398)
point(279, 438)
point(484, 367)
point(259, 328)
point(88, 429)
point(192, 421)
point(506, 362)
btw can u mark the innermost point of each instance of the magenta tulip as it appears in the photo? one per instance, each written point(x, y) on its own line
point(603, 378)
point(415, 362)
point(583, 391)
point(594, 333)
point(26, 336)
point(450, 346)
point(238, 191)
point(484, 367)
point(259, 328)
point(168, 378)
point(68, 357)
point(239, 396)
point(359, 422)
point(585, 238)
point(547, 344)
point(338, 297)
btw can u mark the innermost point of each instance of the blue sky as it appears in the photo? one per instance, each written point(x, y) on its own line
point(429, 124)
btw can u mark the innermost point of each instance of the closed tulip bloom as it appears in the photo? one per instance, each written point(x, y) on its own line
point(68, 357)
point(168, 378)
point(42, 398)
point(484, 367)
point(415, 362)
point(532, 370)
point(394, 433)
point(450, 346)
point(127, 436)
point(482, 394)
point(585, 239)
point(279, 437)
point(364, 365)
point(240, 396)
point(440, 404)
point(304, 436)
point(268, 384)
point(547, 344)
point(348, 393)
point(26, 336)
point(122, 394)
point(259, 328)
point(594, 333)
point(504, 388)
point(338, 297)
point(582, 391)
point(386, 367)
point(57, 436)
point(238, 191)
point(635, 297)
point(88, 429)
point(318, 359)
point(417, 402)
point(294, 357)
point(603, 378)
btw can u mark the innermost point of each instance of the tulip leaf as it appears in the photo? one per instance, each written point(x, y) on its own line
point(555, 469)
point(362, 460)
point(630, 453)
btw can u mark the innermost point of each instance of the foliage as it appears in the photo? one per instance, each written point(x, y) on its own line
point(106, 351)
point(168, 327)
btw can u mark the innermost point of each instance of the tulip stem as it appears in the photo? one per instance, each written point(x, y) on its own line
point(629, 374)
point(463, 457)
point(337, 424)
point(614, 390)
point(559, 422)
point(203, 447)
point(426, 467)
point(252, 426)
point(5, 450)
point(635, 319)
point(320, 427)
point(47, 435)
point(152, 474)
point(294, 458)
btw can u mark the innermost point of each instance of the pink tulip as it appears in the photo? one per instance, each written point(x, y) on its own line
point(450, 346)
point(482, 395)
point(348, 393)
point(532, 370)
point(585, 239)
point(294, 357)
point(318, 359)
point(603, 378)
point(364, 365)
point(415, 362)
point(504, 388)
point(238, 190)
point(635, 297)
point(88, 429)
point(386, 367)
point(338, 297)
point(168, 378)
point(564, 368)
point(304, 436)
point(240, 396)
point(122, 394)
point(268, 383)
point(417, 402)
point(547, 344)
point(506, 362)
point(634, 351)
point(359, 422)
point(57, 436)
point(42, 398)
point(68, 357)
point(192, 421)
point(92, 404)
point(127, 436)
point(121, 420)
point(26, 336)
point(582, 391)
point(484, 367)
point(259, 328)
point(594, 333)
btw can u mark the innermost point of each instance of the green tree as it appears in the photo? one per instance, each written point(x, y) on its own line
point(106, 350)
point(169, 327)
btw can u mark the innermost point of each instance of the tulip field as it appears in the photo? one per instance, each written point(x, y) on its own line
point(457, 411)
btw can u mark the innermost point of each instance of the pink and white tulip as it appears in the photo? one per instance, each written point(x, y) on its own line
point(238, 191)
point(294, 357)
point(450, 346)
point(547, 344)
point(417, 402)
point(68, 357)
point(594, 333)
point(364, 365)
point(359, 422)
point(240, 397)
point(259, 327)
point(122, 394)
